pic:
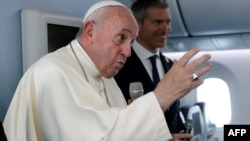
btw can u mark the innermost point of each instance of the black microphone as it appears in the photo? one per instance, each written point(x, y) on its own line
point(135, 90)
point(188, 127)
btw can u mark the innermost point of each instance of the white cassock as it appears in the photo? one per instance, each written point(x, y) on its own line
point(55, 102)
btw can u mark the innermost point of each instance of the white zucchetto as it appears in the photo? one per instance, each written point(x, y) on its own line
point(101, 4)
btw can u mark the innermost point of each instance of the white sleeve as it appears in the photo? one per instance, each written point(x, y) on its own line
point(143, 120)
point(51, 106)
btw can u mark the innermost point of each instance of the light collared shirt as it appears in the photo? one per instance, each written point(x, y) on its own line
point(144, 55)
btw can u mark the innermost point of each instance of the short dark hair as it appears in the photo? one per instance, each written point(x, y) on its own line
point(139, 7)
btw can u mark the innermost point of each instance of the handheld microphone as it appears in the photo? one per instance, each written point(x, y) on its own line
point(135, 90)
point(188, 127)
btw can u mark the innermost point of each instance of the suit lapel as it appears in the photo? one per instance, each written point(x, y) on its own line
point(166, 64)
point(140, 73)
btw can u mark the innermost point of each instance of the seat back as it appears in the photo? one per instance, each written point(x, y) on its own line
point(209, 126)
point(194, 113)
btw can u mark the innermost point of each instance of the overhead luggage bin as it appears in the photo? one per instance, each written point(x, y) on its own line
point(177, 26)
point(215, 17)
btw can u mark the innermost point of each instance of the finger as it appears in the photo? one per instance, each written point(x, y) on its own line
point(200, 72)
point(182, 136)
point(130, 101)
point(203, 70)
point(187, 56)
point(197, 62)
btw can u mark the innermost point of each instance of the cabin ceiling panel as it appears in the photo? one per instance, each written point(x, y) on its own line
point(215, 17)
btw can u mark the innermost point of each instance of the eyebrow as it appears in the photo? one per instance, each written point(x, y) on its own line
point(127, 30)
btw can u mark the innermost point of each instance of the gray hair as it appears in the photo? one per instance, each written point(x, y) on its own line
point(139, 7)
point(97, 16)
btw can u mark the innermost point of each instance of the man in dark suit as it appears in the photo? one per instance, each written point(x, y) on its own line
point(2, 133)
point(153, 18)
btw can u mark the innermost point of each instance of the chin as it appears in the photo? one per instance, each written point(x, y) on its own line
point(108, 76)
point(111, 74)
point(160, 44)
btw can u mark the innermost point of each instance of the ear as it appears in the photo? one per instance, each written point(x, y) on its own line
point(88, 30)
point(139, 22)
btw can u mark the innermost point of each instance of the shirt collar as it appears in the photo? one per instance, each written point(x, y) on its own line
point(142, 52)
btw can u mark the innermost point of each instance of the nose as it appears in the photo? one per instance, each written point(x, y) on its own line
point(169, 28)
point(126, 50)
point(166, 27)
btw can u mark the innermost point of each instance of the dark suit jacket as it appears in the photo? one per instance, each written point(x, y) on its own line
point(134, 71)
point(2, 134)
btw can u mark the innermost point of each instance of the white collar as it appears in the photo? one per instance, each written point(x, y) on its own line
point(141, 52)
point(85, 60)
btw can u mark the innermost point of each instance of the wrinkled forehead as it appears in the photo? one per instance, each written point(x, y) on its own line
point(122, 20)
point(101, 4)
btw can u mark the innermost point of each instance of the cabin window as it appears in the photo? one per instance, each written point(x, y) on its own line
point(215, 93)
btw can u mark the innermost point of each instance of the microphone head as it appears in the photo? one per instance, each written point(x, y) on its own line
point(135, 90)
point(188, 126)
point(189, 123)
